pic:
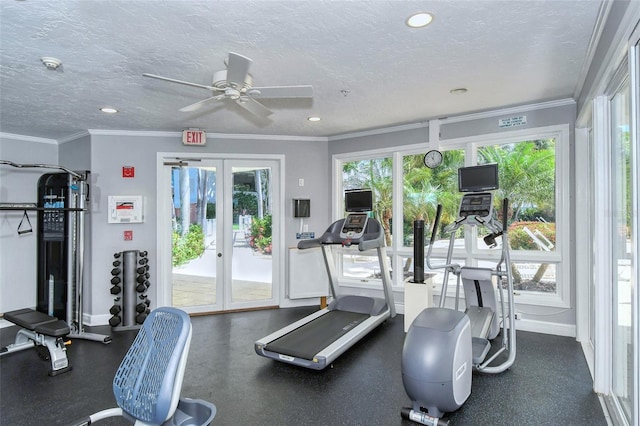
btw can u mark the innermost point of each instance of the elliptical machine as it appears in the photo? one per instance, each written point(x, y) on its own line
point(443, 345)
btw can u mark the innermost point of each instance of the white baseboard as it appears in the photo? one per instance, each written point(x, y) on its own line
point(544, 327)
point(95, 320)
point(557, 329)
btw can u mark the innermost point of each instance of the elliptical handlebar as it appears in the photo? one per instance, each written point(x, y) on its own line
point(505, 212)
point(435, 225)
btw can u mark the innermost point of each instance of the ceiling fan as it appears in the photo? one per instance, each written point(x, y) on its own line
point(235, 83)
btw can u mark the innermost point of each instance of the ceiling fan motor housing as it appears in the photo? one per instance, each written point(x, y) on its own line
point(220, 81)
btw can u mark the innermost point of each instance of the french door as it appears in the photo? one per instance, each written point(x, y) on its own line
point(219, 233)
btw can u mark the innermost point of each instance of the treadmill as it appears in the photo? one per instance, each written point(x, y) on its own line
point(317, 340)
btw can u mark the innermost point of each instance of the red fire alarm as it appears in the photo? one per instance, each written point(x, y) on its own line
point(128, 171)
point(128, 235)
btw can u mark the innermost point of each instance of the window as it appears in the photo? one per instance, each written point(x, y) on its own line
point(529, 177)
point(621, 254)
point(374, 174)
point(424, 188)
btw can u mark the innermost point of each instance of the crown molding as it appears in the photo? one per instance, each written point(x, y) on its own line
point(210, 135)
point(73, 137)
point(508, 111)
point(380, 131)
point(27, 138)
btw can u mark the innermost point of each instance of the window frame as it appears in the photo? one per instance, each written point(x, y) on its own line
point(560, 257)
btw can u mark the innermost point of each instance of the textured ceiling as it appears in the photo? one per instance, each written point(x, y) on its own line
point(367, 68)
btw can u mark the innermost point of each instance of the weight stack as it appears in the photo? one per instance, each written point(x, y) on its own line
point(130, 281)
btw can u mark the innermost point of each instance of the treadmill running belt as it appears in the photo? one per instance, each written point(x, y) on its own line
point(306, 341)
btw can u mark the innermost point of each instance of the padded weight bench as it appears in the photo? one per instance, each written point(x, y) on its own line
point(39, 329)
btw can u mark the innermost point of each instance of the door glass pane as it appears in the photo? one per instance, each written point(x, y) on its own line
point(621, 232)
point(252, 263)
point(194, 237)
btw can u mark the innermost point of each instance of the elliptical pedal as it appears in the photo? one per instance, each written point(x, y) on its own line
point(422, 418)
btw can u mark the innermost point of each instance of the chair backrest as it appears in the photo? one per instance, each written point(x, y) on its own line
point(148, 382)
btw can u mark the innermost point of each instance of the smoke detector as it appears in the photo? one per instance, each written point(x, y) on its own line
point(51, 63)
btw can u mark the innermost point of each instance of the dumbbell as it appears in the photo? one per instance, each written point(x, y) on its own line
point(115, 320)
point(115, 289)
point(115, 309)
point(141, 317)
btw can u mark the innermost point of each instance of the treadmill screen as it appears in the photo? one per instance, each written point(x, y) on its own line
point(355, 221)
point(358, 200)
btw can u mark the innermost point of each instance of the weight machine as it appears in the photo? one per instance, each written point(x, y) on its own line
point(61, 206)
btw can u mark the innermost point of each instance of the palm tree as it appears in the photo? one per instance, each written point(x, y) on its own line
point(527, 178)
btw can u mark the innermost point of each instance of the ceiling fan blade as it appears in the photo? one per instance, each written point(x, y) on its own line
point(237, 69)
point(198, 105)
point(186, 83)
point(254, 107)
point(281, 92)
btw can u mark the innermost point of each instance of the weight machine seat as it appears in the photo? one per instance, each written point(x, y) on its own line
point(38, 322)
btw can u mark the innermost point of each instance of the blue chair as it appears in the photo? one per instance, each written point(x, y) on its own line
point(148, 382)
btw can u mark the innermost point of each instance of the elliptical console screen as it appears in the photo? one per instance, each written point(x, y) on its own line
point(354, 226)
point(478, 178)
point(478, 204)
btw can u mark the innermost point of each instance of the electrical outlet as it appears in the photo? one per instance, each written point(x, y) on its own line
point(518, 316)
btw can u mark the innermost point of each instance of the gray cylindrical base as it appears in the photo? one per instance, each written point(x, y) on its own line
point(130, 279)
point(129, 261)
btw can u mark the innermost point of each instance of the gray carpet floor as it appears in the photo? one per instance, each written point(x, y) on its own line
point(549, 384)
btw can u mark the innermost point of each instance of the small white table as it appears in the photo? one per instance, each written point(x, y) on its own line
point(417, 296)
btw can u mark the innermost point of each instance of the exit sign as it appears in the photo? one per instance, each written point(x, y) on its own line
point(194, 137)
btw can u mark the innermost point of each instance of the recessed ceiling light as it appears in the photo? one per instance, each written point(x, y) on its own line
point(313, 118)
point(458, 91)
point(419, 20)
point(108, 110)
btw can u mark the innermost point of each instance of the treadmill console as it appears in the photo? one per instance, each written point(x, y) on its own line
point(354, 226)
point(477, 204)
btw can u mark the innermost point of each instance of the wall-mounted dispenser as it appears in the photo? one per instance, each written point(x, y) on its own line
point(301, 207)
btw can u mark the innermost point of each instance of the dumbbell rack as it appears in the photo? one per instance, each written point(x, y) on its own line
point(129, 284)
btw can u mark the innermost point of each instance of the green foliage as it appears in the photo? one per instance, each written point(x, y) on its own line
point(520, 240)
point(211, 210)
point(260, 234)
point(189, 247)
point(244, 202)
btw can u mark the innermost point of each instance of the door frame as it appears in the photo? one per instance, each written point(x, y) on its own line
point(163, 224)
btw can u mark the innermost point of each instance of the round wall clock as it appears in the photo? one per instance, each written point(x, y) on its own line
point(433, 159)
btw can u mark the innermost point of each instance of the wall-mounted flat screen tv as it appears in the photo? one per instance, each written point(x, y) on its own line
point(478, 178)
point(358, 200)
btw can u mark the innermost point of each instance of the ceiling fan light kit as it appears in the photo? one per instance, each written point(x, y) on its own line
point(235, 84)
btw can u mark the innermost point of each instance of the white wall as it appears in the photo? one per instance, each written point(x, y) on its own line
point(18, 279)
point(306, 159)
